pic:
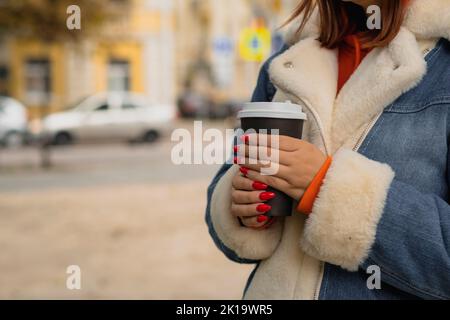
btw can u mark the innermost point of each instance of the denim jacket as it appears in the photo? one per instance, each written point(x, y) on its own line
point(385, 203)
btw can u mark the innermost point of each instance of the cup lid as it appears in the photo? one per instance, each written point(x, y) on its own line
point(273, 110)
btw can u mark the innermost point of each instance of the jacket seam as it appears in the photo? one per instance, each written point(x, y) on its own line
point(444, 240)
point(373, 133)
point(403, 109)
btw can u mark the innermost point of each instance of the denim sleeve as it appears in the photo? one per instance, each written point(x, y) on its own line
point(264, 91)
point(413, 243)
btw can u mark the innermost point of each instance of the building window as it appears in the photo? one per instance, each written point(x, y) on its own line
point(37, 81)
point(118, 75)
point(3, 80)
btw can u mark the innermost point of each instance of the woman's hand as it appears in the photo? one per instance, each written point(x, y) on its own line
point(248, 201)
point(298, 163)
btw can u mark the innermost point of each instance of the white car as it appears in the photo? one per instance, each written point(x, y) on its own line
point(107, 117)
point(13, 122)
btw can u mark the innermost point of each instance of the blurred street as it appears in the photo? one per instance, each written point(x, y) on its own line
point(129, 218)
point(78, 72)
point(95, 165)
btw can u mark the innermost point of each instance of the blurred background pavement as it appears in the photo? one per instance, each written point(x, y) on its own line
point(129, 218)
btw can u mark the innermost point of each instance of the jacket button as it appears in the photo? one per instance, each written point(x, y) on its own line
point(289, 65)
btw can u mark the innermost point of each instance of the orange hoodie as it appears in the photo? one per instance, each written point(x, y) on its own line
point(350, 57)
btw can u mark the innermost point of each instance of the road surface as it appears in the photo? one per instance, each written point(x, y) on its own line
point(129, 218)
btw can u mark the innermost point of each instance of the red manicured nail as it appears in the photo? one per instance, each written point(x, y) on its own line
point(235, 160)
point(262, 219)
point(244, 171)
point(263, 208)
point(260, 186)
point(245, 139)
point(267, 196)
point(236, 149)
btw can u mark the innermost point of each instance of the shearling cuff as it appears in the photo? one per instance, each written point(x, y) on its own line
point(245, 242)
point(342, 227)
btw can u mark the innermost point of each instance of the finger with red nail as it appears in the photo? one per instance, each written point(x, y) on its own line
point(249, 201)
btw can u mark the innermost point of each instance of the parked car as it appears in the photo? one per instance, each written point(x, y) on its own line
point(107, 117)
point(230, 109)
point(13, 122)
point(194, 105)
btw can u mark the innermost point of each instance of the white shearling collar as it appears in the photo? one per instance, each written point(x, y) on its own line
point(429, 19)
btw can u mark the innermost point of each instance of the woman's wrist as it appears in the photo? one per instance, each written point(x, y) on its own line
point(306, 203)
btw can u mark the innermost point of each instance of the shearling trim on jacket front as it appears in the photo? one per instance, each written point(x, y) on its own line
point(246, 243)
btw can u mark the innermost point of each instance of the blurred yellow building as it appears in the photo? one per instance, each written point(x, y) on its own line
point(156, 48)
point(133, 53)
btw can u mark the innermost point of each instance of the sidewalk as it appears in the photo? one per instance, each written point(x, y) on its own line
point(131, 242)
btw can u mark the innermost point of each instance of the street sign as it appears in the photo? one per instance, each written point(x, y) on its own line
point(255, 44)
point(223, 45)
point(222, 61)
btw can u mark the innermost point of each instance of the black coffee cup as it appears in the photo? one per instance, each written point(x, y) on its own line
point(265, 117)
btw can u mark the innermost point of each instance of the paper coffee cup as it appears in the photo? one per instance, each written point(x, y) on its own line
point(288, 119)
